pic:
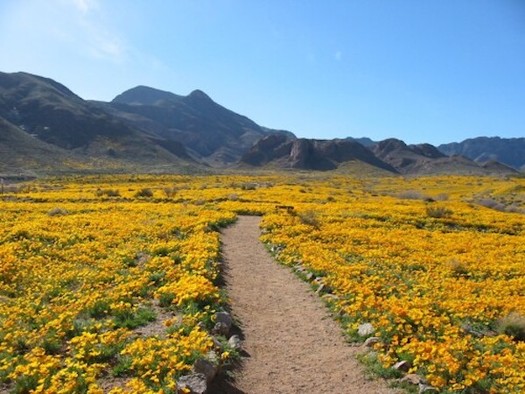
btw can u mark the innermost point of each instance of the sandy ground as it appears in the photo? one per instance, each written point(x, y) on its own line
point(290, 342)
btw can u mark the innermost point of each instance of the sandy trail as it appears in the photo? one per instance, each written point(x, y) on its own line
point(291, 344)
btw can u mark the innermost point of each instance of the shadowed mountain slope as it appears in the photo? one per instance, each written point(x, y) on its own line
point(427, 159)
point(42, 110)
point(281, 152)
point(210, 131)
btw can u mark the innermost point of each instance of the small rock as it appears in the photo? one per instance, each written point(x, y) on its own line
point(365, 329)
point(424, 388)
point(220, 329)
point(216, 342)
point(402, 366)
point(371, 341)
point(319, 289)
point(205, 367)
point(412, 378)
point(212, 357)
point(234, 342)
point(309, 276)
point(329, 296)
point(196, 383)
point(224, 317)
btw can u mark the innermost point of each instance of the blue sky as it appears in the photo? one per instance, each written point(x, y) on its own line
point(419, 70)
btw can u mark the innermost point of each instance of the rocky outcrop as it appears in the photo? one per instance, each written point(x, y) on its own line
point(309, 154)
point(427, 159)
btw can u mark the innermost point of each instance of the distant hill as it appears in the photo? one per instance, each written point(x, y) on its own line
point(209, 131)
point(20, 153)
point(427, 159)
point(45, 114)
point(42, 121)
point(281, 152)
point(509, 151)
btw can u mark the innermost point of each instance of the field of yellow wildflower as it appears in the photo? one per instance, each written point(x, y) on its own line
point(90, 265)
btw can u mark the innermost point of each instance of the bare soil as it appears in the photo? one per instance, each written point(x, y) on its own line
point(290, 342)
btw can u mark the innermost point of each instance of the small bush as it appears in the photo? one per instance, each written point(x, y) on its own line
point(491, 203)
point(57, 212)
point(309, 218)
point(438, 212)
point(233, 197)
point(513, 325)
point(441, 197)
point(132, 319)
point(249, 186)
point(170, 192)
point(411, 195)
point(144, 192)
point(458, 269)
point(500, 206)
point(166, 299)
point(107, 193)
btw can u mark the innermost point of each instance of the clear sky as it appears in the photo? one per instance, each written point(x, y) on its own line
point(420, 70)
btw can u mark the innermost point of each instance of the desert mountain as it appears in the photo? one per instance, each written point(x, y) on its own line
point(21, 153)
point(45, 114)
point(45, 126)
point(282, 152)
point(209, 131)
point(427, 159)
point(509, 151)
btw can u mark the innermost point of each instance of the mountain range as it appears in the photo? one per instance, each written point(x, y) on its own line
point(46, 128)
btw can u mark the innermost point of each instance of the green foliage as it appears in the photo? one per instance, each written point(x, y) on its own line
point(132, 319)
point(123, 366)
point(99, 309)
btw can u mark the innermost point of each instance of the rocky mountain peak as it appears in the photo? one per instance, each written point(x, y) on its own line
point(145, 95)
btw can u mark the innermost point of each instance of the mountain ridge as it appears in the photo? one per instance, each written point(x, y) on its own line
point(509, 151)
point(43, 124)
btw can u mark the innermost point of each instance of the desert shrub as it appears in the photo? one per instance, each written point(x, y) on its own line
point(10, 188)
point(458, 269)
point(144, 192)
point(441, 197)
point(107, 193)
point(411, 195)
point(499, 206)
point(491, 203)
point(249, 186)
point(309, 218)
point(170, 192)
point(514, 208)
point(513, 325)
point(57, 212)
point(438, 212)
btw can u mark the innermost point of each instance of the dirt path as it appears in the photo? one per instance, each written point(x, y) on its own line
point(291, 344)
